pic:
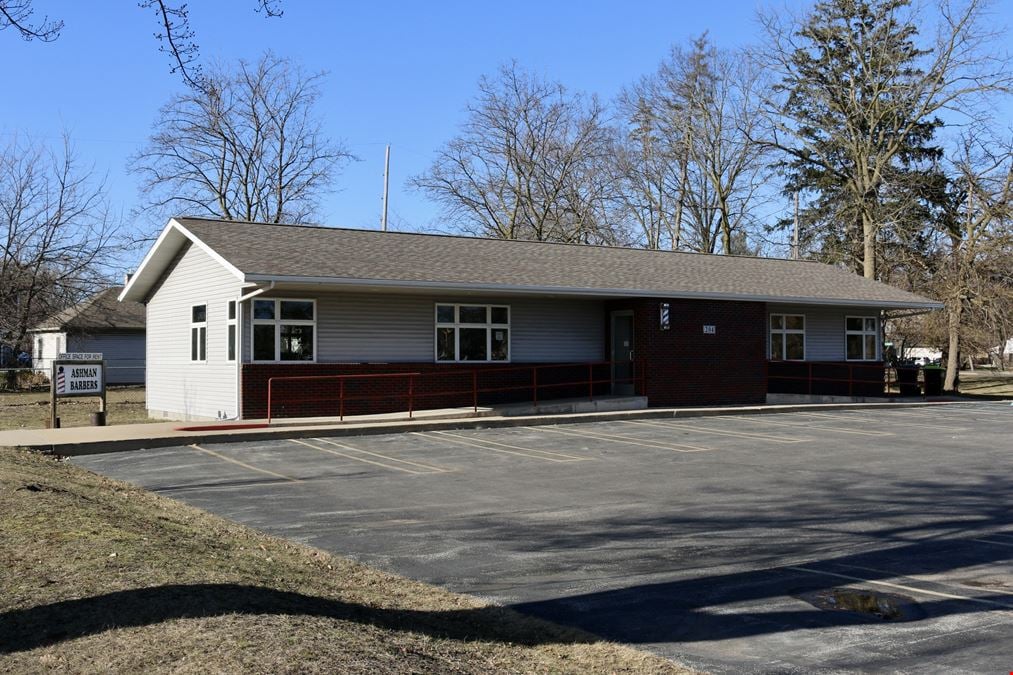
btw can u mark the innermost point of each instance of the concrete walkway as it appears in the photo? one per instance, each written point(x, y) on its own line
point(92, 440)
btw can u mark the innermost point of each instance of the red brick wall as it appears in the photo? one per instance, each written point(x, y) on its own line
point(684, 366)
point(439, 385)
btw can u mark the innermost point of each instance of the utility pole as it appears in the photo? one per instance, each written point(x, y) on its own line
point(386, 186)
point(794, 233)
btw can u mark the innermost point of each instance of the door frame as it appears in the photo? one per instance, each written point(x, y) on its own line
point(612, 344)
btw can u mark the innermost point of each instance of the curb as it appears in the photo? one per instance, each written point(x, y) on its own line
point(283, 433)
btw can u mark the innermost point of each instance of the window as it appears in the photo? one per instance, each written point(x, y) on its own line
point(472, 333)
point(787, 337)
point(199, 333)
point(861, 338)
point(283, 330)
point(231, 354)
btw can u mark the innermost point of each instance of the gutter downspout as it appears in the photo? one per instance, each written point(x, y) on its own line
point(240, 352)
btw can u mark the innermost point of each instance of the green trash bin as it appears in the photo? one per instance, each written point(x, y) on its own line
point(933, 380)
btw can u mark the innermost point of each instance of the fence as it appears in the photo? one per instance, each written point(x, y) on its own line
point(830, 378)
point(340, 395)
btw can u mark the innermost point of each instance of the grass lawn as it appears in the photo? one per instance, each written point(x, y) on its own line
point(100, 576)
point(986, 383)
point(30, 410)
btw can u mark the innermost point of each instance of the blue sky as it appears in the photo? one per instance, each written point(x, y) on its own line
point(398, 73)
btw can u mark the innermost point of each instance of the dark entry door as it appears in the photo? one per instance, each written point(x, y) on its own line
point(622, 353)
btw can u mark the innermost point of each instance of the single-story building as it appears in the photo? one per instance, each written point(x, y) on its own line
point(231, 305)
point(98, 324)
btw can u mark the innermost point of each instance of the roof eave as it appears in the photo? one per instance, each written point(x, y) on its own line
point(591, 292)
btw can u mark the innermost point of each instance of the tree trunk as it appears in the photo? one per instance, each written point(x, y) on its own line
point(952, 356)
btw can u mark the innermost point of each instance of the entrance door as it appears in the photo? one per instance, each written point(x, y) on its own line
point(622, 353)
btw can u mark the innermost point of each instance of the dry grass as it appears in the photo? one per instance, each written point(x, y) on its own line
point(30, 410)
point(100, 576)
point(986, 383)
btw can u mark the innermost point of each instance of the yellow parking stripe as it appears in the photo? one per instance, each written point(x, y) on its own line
point(483, 444)
point(358, 459)
point(244, 464)
point(431, 468)
point(720, 432)
point(675, 447)
point(813, 428)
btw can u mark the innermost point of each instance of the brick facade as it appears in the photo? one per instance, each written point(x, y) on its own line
point(438, 385)
point(685, 366)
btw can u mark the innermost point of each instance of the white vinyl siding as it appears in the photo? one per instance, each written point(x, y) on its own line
point(177, 386)
point(355, 327)
point(824, 328)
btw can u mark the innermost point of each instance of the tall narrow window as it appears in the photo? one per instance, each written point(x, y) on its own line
point(231, 356)
point(787, 337)
point(472, 333)
point(284, 330)
point(861, 335)
point(199, 333)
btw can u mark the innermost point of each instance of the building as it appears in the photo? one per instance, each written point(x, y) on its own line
point(231, 305)
point(98, 324)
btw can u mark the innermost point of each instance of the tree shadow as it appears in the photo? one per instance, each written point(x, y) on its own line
point(44, 625)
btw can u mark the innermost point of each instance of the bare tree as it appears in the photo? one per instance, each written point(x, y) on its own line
point(246, 146)
point(528, 163)
point(860, 97)
point(56, 236)
point(174, 35)
point(17, 14)
point(689, 167)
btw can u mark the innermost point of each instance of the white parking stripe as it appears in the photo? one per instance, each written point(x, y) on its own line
point(675, 447)
point(880, 420)
point(491, 446)
point(909, 589)
point(720, 432)
point(429, 467)
point(995, 543)
point(810, 426)
point(244, 464)
point(358, 459)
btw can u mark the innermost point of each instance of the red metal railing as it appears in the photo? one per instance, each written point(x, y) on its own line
point(851, 381)
point(412, 395)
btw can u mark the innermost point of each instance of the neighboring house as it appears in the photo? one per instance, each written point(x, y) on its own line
point(232, 304)
point(98, 324)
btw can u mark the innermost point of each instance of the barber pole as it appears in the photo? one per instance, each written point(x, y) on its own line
point(61, 381)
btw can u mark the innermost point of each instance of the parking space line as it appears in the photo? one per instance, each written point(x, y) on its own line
point(856, 418)
point(430, 467)
point(675, 447)
point(995, 543)
point(531, 453)
point(803, 425)
point(909, 589)
point(359, 459)
point(244, 464)
point(721, 432)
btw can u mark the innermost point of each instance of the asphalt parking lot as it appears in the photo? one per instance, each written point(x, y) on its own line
point(727, 543)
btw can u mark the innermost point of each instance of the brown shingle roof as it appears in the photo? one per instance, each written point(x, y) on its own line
point(263, 251)
point(100, 312)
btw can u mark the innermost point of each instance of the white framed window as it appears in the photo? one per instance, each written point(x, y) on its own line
point(284, 329)
point(199, 333)
point(230, 354)
point(787, 337)
point(861, 338)
point(466, 332)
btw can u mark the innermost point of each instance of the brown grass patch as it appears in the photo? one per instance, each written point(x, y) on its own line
point(100, 576)
point(30, 410)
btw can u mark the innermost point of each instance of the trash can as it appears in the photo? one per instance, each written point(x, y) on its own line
point(907, 381)
point(933, 380)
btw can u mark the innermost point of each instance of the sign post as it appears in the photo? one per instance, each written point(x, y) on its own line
point(78, 374)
